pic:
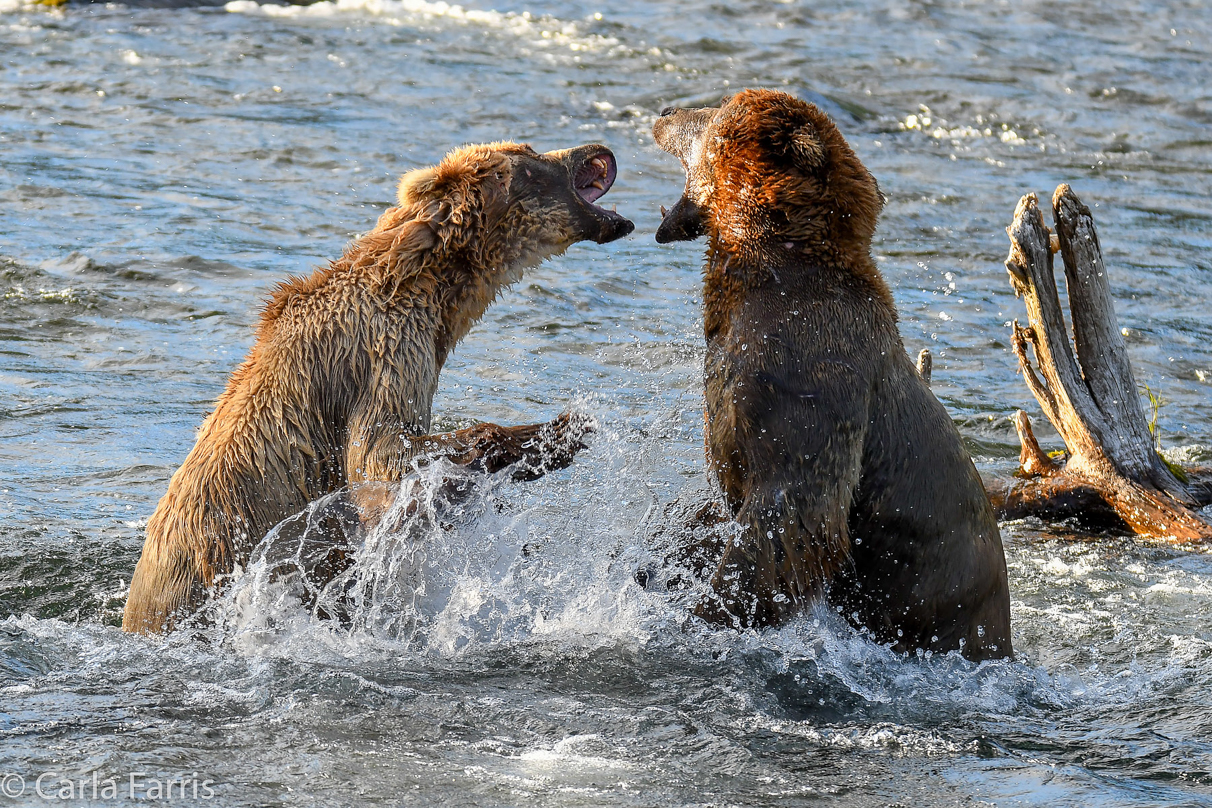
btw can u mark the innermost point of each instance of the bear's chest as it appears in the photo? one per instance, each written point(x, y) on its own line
point(739, 356)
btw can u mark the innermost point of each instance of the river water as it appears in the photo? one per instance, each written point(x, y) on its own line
point(161, 169)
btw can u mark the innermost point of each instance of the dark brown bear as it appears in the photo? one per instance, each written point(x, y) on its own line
point(338, 387)
point(845, 474)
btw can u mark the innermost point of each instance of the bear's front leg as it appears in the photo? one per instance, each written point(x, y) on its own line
point(785, 436)
point(790, 544)
point(381, 460)
point(534, 449)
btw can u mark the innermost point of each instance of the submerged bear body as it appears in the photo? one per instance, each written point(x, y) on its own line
point(846, 475)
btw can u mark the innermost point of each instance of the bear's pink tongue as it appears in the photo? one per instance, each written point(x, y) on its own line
point(594, 177)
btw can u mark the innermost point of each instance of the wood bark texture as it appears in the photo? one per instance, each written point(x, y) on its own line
point(1112, 469)
point(925, 364)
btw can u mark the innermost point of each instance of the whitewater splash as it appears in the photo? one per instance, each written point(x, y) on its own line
point(465, 565)
point(459, 559)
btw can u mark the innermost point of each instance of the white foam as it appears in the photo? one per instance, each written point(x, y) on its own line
point(928, 123)
point(1193, 454)
point(68, 295)
point(892, 739)
point(570, 752)
point(542, 30)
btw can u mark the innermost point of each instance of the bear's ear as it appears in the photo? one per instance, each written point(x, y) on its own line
point(806, 149)
point(415, 236)
point(417, 185)
point(495, 185)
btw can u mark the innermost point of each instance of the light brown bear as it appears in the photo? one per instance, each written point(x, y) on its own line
point(338, 386)
point(847, 478)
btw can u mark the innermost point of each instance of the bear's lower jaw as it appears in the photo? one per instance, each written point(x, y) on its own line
point(684, 222)
point(614, 226)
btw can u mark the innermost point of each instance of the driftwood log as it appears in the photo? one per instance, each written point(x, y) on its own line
point(1112, 474)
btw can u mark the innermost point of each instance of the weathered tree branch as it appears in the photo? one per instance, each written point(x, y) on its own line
point(1087, 390)
point(1033, 460)
point(925, 364)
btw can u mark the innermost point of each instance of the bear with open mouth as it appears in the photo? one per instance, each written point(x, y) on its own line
point(847, 478)
point(338, 387)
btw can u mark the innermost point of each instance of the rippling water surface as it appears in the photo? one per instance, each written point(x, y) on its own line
point(160, 169)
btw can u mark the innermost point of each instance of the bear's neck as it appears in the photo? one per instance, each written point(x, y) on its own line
point(731, 277)
point(447, 287)
point(463, 302)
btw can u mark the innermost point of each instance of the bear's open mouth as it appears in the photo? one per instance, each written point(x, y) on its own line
point(595, 176)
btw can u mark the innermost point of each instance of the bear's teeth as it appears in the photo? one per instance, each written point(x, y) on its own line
point(597, 184)
point(663, 211)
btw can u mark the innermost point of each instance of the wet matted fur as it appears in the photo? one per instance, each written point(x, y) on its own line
point(338, 386)
point(846, 475)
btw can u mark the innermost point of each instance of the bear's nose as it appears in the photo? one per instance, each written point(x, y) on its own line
point(668, 111)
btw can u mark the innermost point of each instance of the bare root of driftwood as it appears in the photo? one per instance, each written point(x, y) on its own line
point(1112, 472)
point(925, 364)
